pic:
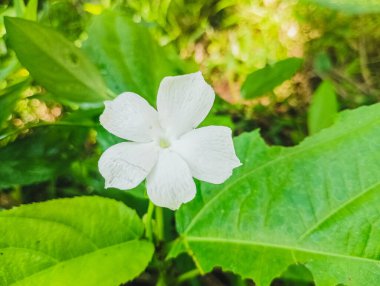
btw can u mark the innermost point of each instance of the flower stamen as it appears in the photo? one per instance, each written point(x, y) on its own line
point(164, 143)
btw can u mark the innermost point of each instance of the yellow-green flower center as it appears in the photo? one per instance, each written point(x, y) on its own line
point(164, 143)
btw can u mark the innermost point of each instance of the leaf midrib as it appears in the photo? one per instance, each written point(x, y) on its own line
point(277, 246)
point(40, 253)
point(289, 154)
point(76, 230)
point(74, 258)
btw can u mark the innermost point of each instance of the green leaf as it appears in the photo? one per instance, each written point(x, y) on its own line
point(350, 6)
point(266, 79)
point(55, 62)
point(44, 154)
point(8, 66)
point(79, 241)
point(323, 108)
point(315, 204)
point(31, 10)
point(127, 55)
point(19, 7)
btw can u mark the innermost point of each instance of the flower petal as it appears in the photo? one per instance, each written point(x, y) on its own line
point(170, 183)
point(126, 165)
point(209, 152)
point(129, 116)
point(183, 102)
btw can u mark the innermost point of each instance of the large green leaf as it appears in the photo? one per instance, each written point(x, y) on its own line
point(127, 55)
point(350, 6)
point(323, 108)
point(55, 62)
point(266, 79)
point(315, 204)
point(80, 241)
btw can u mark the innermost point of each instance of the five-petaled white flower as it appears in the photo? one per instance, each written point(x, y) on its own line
point(166, 149)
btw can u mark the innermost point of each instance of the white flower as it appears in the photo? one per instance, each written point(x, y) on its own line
point(166, 149)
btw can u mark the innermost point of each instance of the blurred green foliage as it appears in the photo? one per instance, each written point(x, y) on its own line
point(50, 137)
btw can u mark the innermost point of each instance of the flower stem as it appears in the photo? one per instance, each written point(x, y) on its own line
point(148, 221)
point(160, 224)
point(188, 275)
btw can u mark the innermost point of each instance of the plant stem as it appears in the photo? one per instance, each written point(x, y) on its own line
point(148, 221)
point(188, 275)
point(160, 224)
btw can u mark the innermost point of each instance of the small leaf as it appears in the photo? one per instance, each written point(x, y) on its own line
point(127, 55)
point(266, 79)
point(315, 204)
point(19, 7)
point(323, 108)
point(79, 241)
point(31, 10)
point(54, 62)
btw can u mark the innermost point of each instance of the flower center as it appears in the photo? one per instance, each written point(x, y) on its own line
point(164, 143)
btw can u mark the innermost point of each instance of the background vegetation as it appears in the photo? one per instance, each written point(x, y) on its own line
point(285, 67)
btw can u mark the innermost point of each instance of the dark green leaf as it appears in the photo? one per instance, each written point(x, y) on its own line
point(127, 55)
point(40, 156)
point(82, 241)
point(266, 79)
point(54, 62)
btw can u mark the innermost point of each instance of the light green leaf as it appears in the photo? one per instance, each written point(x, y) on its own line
point(127, 55)
point(8, 66)
point(266, 79)
point(31, 10)
point(350, 6)
point(54, 62)
point(19, 7)
point(315, 204)
point(323, 108)
point(79, 241)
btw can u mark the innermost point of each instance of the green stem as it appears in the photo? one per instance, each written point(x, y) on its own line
point(110, 93)
point(188, 275)
point(148, 221)
point(160, 224)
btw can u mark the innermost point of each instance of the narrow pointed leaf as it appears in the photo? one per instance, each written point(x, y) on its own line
point(55, 62)
point(315, 204)
point(323, 108)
